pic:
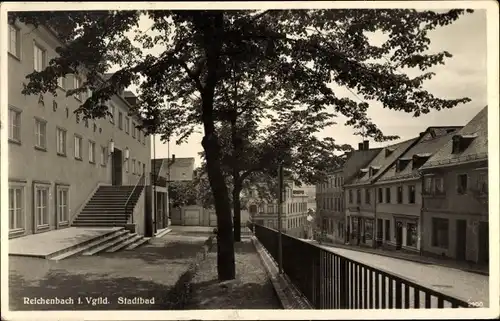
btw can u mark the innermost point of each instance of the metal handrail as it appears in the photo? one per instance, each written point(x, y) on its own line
point(332, 281)
point(132, 193)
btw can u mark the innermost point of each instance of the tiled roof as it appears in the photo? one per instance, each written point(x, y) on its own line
point(382, 161)
point(477, 149)
point(433, 139)
point(356, 160)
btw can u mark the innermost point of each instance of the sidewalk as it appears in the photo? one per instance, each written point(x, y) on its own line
point(464, 266)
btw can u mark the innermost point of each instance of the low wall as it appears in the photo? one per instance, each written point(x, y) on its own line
point(205, 216)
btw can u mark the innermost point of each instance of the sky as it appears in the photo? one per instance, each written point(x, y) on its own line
point(463, 75)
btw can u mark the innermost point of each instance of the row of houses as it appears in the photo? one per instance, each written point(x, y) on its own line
point(426, 195)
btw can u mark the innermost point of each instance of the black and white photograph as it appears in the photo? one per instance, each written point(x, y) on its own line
point(249, 160)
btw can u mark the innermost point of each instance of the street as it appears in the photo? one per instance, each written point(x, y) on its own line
point(470, 287)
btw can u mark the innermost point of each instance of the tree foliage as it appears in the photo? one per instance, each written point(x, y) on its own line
point(293, 56)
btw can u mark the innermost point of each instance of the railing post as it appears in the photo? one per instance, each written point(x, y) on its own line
point(343, 280)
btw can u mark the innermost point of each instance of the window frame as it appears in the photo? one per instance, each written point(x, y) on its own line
point(42, 123)
point(462, 190)
point(412, 194)
point(13, 129)
point(61, 83)
point(367, 196)
point(46, 188)
point(64, 152)
point(77, 80)
point(120, 120)
point(78, 138)
point(17, 54)
point(388, 193)
point(91, 150)
point(380, 195)
point(22, 187)
point(43, 50)
point(62, 189)
point(435, 238)
point(399, 194)
point(103, 156)
point(112, 111)
point(127, 125)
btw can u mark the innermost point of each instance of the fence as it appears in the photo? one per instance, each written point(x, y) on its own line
point(332, 281)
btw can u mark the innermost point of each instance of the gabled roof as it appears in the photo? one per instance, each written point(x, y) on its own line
point(433, 139)
point(356, 160)
point(382, 161)
point(477, 130)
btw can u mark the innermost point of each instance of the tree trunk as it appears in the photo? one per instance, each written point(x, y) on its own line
point(237, 209)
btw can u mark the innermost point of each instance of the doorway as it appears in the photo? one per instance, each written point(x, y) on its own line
point(116, 167)
point(461, 239)
point(399, 235)
point(484, 243)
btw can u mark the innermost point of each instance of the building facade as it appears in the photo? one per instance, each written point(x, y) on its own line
point(399, 193)
point(360, 195)
point(455, 195)
point(294, 211)
point(57, 159)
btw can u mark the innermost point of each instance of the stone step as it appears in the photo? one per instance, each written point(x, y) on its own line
point(98, 224)
point(141, 241)
point(74, 250)
point(107, 245)
point(132, 237)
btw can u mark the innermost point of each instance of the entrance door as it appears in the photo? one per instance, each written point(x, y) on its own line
point(116, 167)
point(484, 248)
point(461, 239)
point(399, 235)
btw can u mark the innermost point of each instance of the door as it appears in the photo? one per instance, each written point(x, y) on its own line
point(159, 211)
point(461, 239)
point(484, 248)
point(116, 170)
point(192, 217)
point(399, 235)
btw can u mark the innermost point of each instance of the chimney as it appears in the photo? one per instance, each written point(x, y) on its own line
point(366, 145)
point(360, 146)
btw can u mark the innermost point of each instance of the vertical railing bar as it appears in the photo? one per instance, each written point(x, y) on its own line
point(370, 289)
point(377, 290)
point(365, 288)
point(356, 286)
point(407, 296)
point(440, 302)
point(351, 285)
point(427, 300)
point(416, 298)
point(399, 294)
point(384, 292)
point(391, 293)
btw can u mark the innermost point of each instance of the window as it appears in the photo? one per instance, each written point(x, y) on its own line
point(40, 133)
point(39, 58)
point(77, 83)
point(387, 230)
point(14, 125)
point(111, 111)
point(16, 208)
point(14, 39)
point(78, 147)
point(144, 142)
point(127, 125)
point(411, 234)
point(482, 182)
point(86, 122)
point(133, 130)
point(103, 155)
point(438, 185)
point(358, 196)
point(428, 185)
point(91, 151)
point(61, 82)
point(61, 141)
point(133, 166)
point(41, 205)
point(440, 232)
point(126, 165)
point(380, 195)
point(367, 196)
point(350, 196)
point(138, 168)
point(400, 195)
point(62, 205)
point(462, 184)
point(120, 120)
point(388, 195)
point(368, 230)
point(411, 194)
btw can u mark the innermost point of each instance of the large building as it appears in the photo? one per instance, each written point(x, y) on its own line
point(294, 210)
point(330, 195)
point(399, 192)
point(57, 160)
point(360, 199)
point(455, 195)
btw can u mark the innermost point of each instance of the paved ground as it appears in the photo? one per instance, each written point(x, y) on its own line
point(97, 282)
point(251, 289)
point(467, 286)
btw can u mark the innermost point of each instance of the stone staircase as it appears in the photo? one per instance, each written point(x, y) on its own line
point(111, 242)
point(109, 207)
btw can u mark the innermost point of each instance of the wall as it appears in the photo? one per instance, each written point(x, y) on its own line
point(139, 213)
point(207, 216)
point(28, 165)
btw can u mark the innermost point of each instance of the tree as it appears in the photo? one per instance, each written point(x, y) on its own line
point(295, 53)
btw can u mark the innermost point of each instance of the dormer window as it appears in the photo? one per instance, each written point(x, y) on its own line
point(401, 164)
point(374, 170)
point(461, 142)
point(388, 152)
point(419, 159)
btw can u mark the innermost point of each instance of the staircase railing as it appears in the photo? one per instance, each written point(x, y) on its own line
point(140, 182)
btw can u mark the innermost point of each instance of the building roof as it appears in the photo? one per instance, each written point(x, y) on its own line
point(477, 131)
point(430, 142)
point(382, 161)
point(180, 169)
point(356, 160)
